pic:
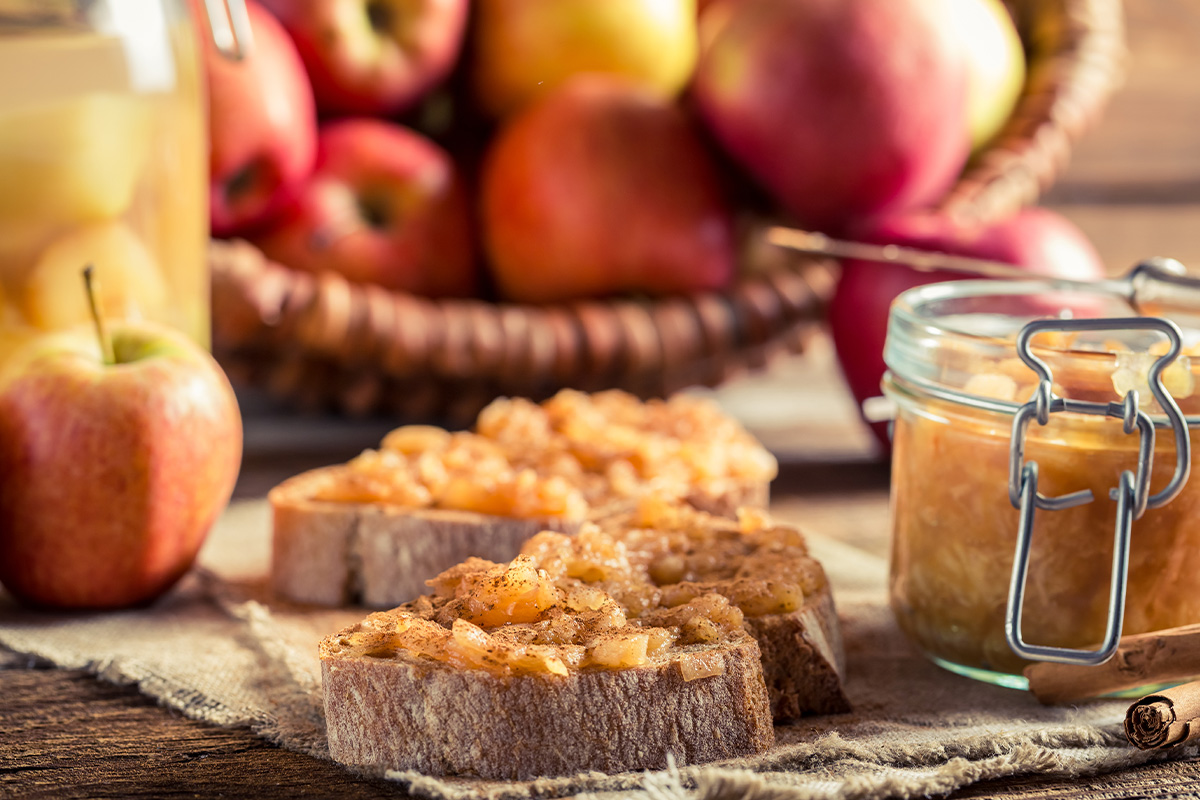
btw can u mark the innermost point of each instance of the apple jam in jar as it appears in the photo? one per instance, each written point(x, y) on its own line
point(103, 158)
point(957, 382)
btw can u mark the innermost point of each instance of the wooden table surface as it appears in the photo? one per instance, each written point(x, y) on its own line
point(1133, 186)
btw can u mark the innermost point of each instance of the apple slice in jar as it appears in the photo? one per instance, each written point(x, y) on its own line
point(74, 160)
point(130, 283)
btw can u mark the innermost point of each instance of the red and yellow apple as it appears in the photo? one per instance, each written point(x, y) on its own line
point(262, 127)
point(110, 474)
point(383, 205)
point(603, 187)
point(523, 49)
point(1037, 239)
point(841, 109)
point(374, 57)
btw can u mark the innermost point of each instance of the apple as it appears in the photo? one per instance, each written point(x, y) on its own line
point(133, 286)
point(523, 49)
point(111, 473)
point(1037, 239)
point(374, 57)
point(841, 109)
point(995, 61)
point(262, 127)
point(601, 187)
point(67, 160)
point(383, 205)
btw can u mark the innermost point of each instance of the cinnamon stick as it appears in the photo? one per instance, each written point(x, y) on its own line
point(1165, 719)
point(1165, 656)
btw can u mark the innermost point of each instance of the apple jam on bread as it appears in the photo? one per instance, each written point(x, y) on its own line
point(765, 571)
point(644, 630)
point(371, 530)
point(564, 457)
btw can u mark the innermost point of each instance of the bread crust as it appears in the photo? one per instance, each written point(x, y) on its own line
point(803, 658)
point(402, 713)
point(374, 554)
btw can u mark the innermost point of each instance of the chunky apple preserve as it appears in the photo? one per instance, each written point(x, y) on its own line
point(954, 527)
point(761, 567)
point(668, 583)
point(615, 446)
point(516, 618)
point(567, 457)
point(426, 467)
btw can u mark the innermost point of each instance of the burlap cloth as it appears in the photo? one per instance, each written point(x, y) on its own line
point(217, 649)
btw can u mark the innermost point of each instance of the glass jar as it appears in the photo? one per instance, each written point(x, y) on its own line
point(103, 161)
point(957, 382)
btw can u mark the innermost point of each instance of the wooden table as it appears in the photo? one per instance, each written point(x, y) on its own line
point(1134, 187)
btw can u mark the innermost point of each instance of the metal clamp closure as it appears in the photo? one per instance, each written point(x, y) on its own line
point(1132, 492)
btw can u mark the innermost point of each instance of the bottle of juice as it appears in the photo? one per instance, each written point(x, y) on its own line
point(103, 161)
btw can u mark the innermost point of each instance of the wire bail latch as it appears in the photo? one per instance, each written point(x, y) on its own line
point(1132, 493)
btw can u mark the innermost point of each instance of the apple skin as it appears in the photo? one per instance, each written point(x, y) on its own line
point(603, 187)
point(262, 127)
point(111, 475)
point(384, 205)
point(523, 49)
point(841, 109)
point(995, 60)
point(374, 57)
point(1037, 239)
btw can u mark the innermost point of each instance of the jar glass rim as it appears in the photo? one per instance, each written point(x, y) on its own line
point(960, 337)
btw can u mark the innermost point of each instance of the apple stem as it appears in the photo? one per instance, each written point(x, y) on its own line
point(92, 287)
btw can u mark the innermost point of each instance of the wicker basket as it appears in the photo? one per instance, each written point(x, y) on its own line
point(321, 343)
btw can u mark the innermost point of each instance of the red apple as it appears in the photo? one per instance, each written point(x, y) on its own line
point(262, 127)
point(383, 205)
point(602, 187)
point(1037, 239)
point(111, 474)
point(842, 109)
point(374, 57)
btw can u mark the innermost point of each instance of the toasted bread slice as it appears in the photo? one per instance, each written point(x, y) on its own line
point(762, 567)
point(370, 531)
point(664, 630)
point(378, 555)
point(399, 712)
point(508, 673)
point(803, 659)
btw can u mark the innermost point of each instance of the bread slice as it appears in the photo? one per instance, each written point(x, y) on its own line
point(371, 531)
point(661, 631)
point(378, 555)
point(762, 567)
point(509, 673)
point(803, 659)
point(403, 713)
